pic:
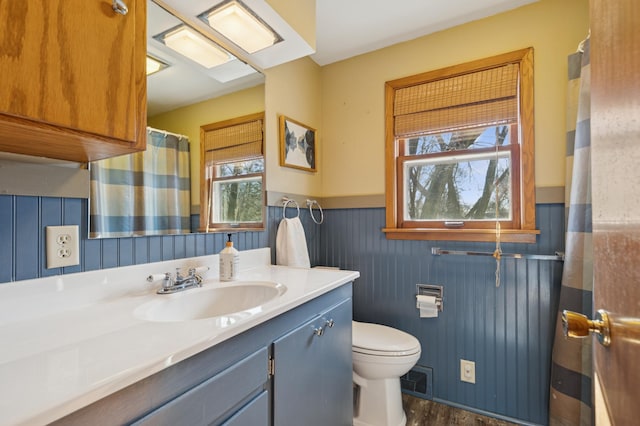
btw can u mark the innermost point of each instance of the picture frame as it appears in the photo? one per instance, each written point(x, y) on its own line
point(298, 145)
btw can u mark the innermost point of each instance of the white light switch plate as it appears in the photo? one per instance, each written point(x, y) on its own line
point(63, 246)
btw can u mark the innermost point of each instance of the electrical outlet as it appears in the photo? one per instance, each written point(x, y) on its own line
point(63, 246)
point(467, 371)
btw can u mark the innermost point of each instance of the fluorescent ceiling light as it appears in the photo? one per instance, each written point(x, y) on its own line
point(154, 65)
point(237, 23)
point(194, 46)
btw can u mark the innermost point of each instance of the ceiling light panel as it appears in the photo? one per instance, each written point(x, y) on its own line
point(194, 46)
point(240, 25)
point(154, 65)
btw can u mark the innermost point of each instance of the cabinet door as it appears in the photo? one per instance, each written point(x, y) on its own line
point(337, 381)
point(75, 65)
point(312, 380)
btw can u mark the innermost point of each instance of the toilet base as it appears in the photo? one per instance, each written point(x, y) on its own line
point(379, 403)
point(403, 422)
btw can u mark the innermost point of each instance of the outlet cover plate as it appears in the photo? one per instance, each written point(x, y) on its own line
point(62, 246)
point(467, 371)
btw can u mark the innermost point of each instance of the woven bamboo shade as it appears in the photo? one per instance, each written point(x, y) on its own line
point(481, 98)
point(233, 142)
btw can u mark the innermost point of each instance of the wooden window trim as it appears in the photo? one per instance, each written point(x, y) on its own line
point(205, 184)
point(526, 232)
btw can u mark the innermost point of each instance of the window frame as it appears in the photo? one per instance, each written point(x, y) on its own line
point(208, 180)
point(522, 228)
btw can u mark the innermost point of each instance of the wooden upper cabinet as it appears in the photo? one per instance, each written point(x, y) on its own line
point(73, 81)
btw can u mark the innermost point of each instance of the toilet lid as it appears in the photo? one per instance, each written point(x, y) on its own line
point(379, 339)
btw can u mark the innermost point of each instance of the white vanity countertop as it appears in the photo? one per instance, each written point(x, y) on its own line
point(69, 340)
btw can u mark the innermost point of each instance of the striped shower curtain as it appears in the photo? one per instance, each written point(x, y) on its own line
point(571, 391)
point(146, 193)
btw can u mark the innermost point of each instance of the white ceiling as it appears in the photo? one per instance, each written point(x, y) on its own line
point(346, 28)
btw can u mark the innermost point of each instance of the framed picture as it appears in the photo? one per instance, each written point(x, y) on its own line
point(297, 145)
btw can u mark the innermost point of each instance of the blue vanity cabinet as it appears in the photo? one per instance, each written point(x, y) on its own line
point(312, 384)
point(211, 402)
point(231, 383)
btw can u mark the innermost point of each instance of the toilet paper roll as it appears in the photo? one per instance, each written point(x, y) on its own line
point(427, 305)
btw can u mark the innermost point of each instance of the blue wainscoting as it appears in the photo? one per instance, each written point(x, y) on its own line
point(507, 331)
point(22, 249)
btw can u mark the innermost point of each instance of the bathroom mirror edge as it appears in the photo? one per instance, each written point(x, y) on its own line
point(244, 96)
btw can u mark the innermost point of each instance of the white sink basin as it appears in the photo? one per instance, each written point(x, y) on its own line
point(232, 301)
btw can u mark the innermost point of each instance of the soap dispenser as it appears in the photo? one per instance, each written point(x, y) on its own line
point(229, 262)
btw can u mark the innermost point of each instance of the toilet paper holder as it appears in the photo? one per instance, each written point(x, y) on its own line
point(432, 290)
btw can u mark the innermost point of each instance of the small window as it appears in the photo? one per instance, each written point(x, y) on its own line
point(460, 152)
point(233, 169)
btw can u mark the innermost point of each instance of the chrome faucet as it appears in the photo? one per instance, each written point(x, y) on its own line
point(180, 282)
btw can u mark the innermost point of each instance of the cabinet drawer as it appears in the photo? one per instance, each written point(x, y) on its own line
point(255, 413)
point(215, 398)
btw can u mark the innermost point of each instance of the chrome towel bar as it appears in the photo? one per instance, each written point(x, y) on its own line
point(559, 256)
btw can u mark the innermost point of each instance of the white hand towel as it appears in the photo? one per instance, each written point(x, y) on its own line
point(291, 245)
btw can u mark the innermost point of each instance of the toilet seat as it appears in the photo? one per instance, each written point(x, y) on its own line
point(380, 340)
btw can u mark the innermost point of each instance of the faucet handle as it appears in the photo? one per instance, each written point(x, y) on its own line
point(199, 269)
point(179, 276)
point(195, 273)
point(157, 277)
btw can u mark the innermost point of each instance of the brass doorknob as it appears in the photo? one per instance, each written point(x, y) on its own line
point(579, 326)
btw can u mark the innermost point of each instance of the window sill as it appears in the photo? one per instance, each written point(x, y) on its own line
point(476, 235)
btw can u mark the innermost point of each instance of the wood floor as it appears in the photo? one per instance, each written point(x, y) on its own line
point(422, 412)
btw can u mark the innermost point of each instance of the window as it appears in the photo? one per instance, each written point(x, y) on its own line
point(232, 174)
point(459, 152)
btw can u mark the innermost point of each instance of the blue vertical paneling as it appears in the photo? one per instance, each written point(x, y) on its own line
point(155, 249)
point(7, 238)
point(22, 240)
point(110, 253)
point(27, 241)
point(141, 250)
point(505, 330)
point(190, 245)
point(199, 244)
point(92, 254)
point(166, 247)
point(125, 252)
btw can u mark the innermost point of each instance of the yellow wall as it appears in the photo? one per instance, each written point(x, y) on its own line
point(187, 121)
point(300, 15)
point(345, 101)
point(294, 90)
point(353, 89)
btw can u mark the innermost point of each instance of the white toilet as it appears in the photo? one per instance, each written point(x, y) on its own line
point(381, 355)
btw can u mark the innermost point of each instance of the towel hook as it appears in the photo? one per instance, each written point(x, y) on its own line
point(310, 204)
point(286, 201)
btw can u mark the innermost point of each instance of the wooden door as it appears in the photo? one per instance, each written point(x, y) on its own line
point(615, 132)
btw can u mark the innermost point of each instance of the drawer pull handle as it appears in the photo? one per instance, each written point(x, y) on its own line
point(330, 323)
point(318, 331)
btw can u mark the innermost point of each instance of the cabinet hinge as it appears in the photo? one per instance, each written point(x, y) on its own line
point(271, 367)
